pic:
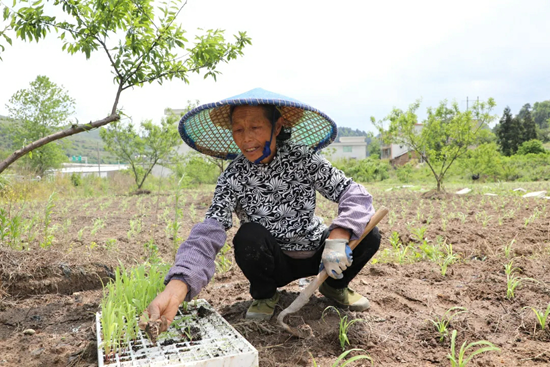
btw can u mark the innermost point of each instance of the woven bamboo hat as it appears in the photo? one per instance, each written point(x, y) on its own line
point(207, 128)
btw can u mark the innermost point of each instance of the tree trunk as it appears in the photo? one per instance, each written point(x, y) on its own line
point(75, 129)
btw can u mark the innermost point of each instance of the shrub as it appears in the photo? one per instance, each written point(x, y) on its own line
point(364, 170)
point(533, 146)
point(76, 179)
point(195, 170)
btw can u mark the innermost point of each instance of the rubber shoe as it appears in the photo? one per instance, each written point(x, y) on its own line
point(262, 309)
point(345, 297)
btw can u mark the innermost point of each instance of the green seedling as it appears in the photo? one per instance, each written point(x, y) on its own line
point(512, 280)
point(81, 233)
point(419, 233)
point(98, 224)
point(342, 362)
point(462, 217)
point(135, 228)
point(508, 249)
point(223, 262)
point(394, 240)
point(124, 299)
point(344, 326)
point(444, 262)
point(460, 359)
point(542, 317)
point(111, 244)
point(443, 322)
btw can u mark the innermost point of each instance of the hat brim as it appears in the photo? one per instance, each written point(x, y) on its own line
point(207, 128)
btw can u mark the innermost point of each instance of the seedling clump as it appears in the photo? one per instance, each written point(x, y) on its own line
point(124, 299)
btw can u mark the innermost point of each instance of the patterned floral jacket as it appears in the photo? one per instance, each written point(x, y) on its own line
point(281, 196)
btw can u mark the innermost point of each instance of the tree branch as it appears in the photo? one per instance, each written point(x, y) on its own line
point(162, 75)
point(140, 59)
point(110, 59)
point(75, 129)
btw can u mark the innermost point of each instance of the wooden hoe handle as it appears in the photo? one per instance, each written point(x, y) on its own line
point(304, 296)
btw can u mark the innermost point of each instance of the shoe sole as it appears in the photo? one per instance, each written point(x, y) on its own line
point(358, 307)
point(257, 316)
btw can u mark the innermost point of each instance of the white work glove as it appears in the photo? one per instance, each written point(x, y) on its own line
point(336, 258)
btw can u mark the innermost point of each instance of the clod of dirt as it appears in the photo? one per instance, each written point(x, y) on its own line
point(203, 312)
point(194, 334)
point(154, 328)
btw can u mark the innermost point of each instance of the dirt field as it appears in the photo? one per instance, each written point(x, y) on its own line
point(56, 291)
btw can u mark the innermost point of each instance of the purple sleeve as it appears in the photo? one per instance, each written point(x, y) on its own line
point(194, 263)
point(354, 210)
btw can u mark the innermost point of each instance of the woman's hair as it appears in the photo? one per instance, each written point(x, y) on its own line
point(272, 113)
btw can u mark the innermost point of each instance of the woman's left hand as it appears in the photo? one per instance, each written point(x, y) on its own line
point(336, 258)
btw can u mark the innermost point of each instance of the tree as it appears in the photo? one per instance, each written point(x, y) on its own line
point(140, 39)
point(374, 145)
point(348, 131)
point(485, 160)
point(524, 110)
point(541, 114)
point(529, 126)
point(443, 137)
point(5, 27)
point(142, 151)
point(533, 146)
point(509, 133)
point(36, 112)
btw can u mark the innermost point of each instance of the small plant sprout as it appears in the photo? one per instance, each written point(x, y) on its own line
point(81, 233)
point(542, 317)
point(394, 240)
point(342, 362)
point(460, 359)
point(443, 322)
point(512, 280)
point(98, 224)
point(445, 261)
point(508, 248)
point(344, 326)
point(419, 233)
point(223, 262)
point(462, 217)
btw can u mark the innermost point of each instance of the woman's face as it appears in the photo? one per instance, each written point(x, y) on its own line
point(251, 130)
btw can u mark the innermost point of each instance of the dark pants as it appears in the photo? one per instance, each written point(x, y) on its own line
point(266, 266)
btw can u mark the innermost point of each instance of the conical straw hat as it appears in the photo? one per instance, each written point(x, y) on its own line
point(207, 128)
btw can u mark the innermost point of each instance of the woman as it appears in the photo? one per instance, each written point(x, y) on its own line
point(271, 186)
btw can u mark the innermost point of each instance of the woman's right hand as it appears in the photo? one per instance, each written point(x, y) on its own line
point(167, 302)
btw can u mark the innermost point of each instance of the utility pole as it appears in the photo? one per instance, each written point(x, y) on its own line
point(98, 161)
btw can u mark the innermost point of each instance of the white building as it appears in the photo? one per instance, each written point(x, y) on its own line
point(351, 147)
point(399, 154)
point(103, 170)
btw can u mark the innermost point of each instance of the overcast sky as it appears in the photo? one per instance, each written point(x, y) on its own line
point(350, 59)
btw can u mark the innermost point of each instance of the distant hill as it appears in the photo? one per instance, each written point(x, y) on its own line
point(85, 144)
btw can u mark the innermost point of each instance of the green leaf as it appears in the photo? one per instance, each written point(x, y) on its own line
point(8, 40)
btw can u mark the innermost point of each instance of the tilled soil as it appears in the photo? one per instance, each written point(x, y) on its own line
point(57, 291)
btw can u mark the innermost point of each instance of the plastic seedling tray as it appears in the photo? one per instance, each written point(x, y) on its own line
point(204, 339)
